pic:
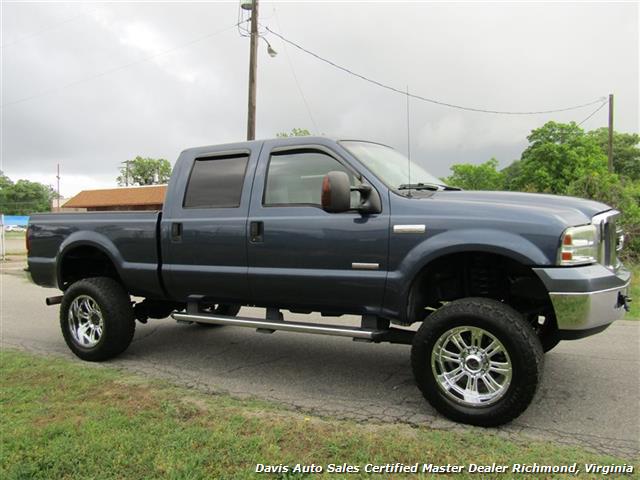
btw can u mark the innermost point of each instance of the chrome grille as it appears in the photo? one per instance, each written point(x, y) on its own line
point(610, 237)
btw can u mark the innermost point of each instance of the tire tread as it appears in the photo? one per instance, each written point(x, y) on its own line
point(115, 305)
point(512, 405)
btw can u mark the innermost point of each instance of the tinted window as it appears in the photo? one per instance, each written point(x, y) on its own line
point(296, 177)
point(216, 182)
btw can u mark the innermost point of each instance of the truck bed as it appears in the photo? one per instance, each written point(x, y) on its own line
point(128, 239)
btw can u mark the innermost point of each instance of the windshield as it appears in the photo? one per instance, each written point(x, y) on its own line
point(389, 165)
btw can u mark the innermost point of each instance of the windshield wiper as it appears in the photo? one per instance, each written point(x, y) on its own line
point(436, 187)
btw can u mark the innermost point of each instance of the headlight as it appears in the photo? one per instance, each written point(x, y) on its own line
point(578, 246)
point(620, 239)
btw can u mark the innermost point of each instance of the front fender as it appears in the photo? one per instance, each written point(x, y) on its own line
point(400, 279)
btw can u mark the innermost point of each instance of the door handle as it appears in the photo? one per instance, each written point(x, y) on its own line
point(176, 231)
point(256, 232)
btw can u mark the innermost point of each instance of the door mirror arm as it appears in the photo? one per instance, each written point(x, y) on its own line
point(369, 199)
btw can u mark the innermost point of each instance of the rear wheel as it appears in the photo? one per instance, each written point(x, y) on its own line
point(477, 361)
point(96, 319)
point(228, 310)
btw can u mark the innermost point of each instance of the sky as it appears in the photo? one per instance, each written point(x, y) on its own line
point(90, 85)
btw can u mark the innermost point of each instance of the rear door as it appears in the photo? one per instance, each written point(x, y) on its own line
point(300, 255)
point(204, 228)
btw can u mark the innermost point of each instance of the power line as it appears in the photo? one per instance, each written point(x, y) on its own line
point(426, 99)
point(295, 77)
point(46, 29)
point(593, 113)
point(115, 69)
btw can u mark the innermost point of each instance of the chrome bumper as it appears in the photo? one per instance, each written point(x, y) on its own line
point(586, 298)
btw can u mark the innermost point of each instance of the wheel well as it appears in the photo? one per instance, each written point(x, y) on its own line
point(84, 262)
point(480, 274)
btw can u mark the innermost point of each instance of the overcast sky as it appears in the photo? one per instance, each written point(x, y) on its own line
point(76, 89)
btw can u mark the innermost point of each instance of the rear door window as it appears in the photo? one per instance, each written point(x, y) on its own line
point(216, 182)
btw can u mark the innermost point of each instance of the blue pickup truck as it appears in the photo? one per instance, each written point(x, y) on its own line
point(312, 224)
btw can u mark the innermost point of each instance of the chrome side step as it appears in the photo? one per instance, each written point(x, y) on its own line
point(321, 329)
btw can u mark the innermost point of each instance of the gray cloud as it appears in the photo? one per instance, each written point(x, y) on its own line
point(499, 56)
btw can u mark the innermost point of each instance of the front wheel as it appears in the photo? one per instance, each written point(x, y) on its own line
point(96, 319)
point(477, 361)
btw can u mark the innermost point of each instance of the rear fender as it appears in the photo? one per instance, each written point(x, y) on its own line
point(90, 239)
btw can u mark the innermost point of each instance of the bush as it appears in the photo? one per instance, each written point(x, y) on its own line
point(620, 193)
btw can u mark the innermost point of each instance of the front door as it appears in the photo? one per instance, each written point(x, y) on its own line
point(301, 256)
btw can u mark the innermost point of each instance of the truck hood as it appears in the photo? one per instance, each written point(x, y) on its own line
point(570, 210)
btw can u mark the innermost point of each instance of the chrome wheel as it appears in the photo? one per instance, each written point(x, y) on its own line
point(85, 321)
point(471, 366)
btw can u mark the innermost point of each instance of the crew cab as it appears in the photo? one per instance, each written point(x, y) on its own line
point(491, 280)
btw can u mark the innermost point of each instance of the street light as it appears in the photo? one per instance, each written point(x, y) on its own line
point(272, 53)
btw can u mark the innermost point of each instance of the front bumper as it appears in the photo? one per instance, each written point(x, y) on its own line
point(586, 298)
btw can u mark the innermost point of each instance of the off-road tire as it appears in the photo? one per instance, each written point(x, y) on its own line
point(549, 341)
point(115, 306)
point(516, 335)
point(228, 310)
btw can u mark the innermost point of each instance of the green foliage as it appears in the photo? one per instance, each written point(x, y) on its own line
point(24, 197)
point(562, 159)
point(634, 292)
point(510, 173)
point(626, 151)
point(295, 132)
point(4, 181)
point(557, 154)
point(144, 171)
point(477, 177)
point(620, 193)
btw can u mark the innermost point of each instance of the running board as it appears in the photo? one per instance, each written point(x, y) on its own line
point(321, 329)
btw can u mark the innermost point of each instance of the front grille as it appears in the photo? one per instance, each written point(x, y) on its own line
point(610, 237)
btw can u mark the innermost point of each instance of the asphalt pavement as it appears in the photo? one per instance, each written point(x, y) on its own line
point(590, 395)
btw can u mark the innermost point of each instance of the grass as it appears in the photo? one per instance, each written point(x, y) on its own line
point(634, 293)
point(14, 234)
point(15, 243)
point(66, 419)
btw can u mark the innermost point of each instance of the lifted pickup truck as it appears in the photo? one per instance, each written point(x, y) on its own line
point(335, 226)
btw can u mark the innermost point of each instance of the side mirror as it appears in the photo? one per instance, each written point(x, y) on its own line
point(336, 195)
point(336, 192)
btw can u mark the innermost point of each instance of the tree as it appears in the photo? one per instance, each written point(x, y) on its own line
point(24, 197)
point(477, 177)
point(558, 153)
point(4, 180)
point(563, 159)
point(295, 132)
point(626, 151)
point(622, 194)
point(5, 186)
point(144, 171)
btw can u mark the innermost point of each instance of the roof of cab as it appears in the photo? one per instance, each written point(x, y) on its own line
point(281, 141)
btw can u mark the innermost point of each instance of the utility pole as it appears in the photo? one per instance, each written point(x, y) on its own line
point(126, 172)
point(408, 145)
point(253, 66)
point(610, 150)
point(58, 187)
